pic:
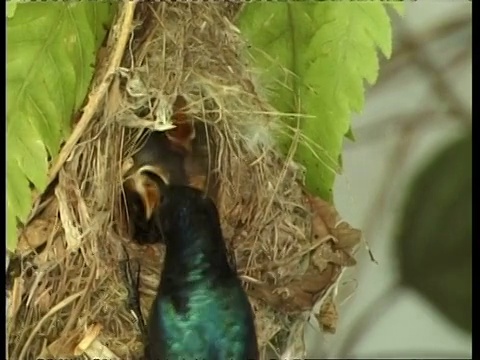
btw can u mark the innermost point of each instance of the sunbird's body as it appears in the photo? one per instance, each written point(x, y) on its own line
point(201, 310)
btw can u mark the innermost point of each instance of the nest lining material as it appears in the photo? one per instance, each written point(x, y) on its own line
point(290, 248)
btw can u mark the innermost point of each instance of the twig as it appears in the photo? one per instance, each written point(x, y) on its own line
point(52, 311)
point(394, 70)
point(132, 283)
point(291, 153)
point(402, 54)
point(97, 95)
point(440, 85)
point(75, 312)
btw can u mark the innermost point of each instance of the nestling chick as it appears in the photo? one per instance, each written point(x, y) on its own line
point(141, 227)
point(142, 193)
point(183, 134)
point(176, 156)
point(201, 310)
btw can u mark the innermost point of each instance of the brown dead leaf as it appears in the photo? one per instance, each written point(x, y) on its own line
point(298, 295)
point(43, 257)
point(323, 211)
point(35, 234)
point(324, 255)
point(328, 315)
point(347, 237)
point(318, 256)
point(326, 221)
point(337, 237)
point(39, 230)
point(314, 282)
point(55, 249)
point(292, 299)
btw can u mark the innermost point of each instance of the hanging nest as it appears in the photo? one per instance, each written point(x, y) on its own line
point(67, 295)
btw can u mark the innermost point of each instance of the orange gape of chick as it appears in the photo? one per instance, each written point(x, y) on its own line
point(182, 135)
point(167, 155)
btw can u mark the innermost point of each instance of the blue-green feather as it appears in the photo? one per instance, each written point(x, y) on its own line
point(214, 322)
point(201, 310)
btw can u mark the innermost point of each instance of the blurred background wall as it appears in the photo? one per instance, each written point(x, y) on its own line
point(422, 100)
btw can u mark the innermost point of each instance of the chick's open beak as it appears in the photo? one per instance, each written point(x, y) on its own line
point(139, 181)
point(182, 135)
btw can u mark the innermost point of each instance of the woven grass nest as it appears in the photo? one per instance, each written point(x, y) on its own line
point(68, 298)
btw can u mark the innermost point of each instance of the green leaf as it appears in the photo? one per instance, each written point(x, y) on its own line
point(435, 237)
point(315, 57)
point(350, 135)
point(11, 7)
point(51, 48)
point(18, 198)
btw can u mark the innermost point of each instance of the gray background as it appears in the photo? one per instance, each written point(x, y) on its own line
point(422, 100)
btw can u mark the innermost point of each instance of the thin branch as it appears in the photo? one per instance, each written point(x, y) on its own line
point(403, 52)
point(394, 69)
point(440, 84)
point(51, 312)
point(98, 94)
